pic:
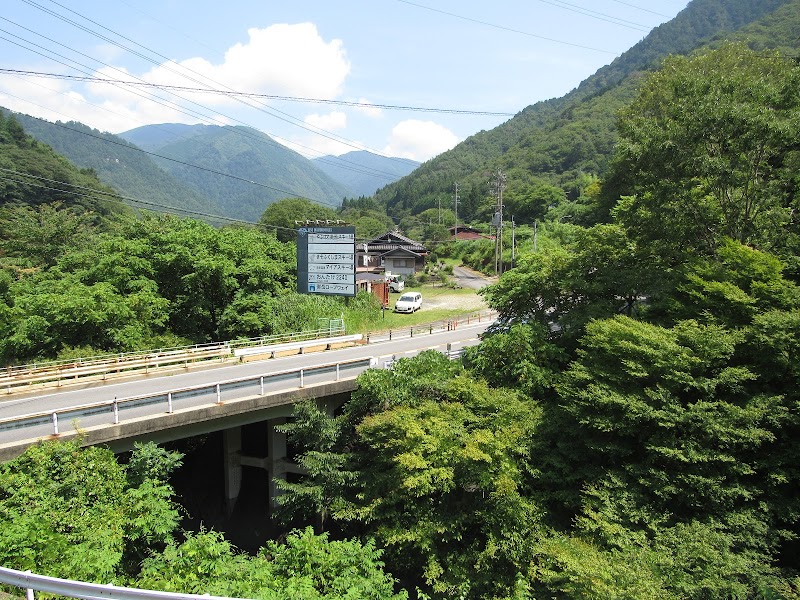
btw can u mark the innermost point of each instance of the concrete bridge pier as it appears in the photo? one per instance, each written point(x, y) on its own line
point(275, 464)
point(232, 461)
point(276, 456)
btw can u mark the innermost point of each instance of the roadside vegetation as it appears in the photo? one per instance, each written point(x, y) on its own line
point(630, 431)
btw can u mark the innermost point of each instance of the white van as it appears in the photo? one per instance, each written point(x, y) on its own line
point(408, 302)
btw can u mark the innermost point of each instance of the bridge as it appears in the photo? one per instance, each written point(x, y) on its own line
point(255, 391)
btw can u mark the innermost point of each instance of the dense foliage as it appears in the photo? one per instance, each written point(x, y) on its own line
point(630, 430)
point(80, 514)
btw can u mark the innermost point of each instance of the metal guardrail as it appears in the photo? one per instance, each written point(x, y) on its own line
point(431, 328)
point(123, 359)
point(113, 408)
point(58, 372)
point(78, 589)
point(274, 349)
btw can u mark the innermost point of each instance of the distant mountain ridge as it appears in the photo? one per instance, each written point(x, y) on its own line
point(232, 172)
point(118, 164)
point(153, 137)
point(363, 172)
point(260, 169)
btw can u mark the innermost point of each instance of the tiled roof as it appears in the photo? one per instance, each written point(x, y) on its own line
point(387, 247)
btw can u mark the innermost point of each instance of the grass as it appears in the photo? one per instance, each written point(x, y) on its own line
point(387, 319)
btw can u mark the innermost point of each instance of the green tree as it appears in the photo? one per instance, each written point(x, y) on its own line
point(44, 233)
point(706, 148)
point(521, 357)
point(70, 512)
point(283, 216)
point(442, 470)
point(304, 567)
point(326, 478)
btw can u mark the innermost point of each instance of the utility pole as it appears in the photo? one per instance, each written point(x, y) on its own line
point(439, 202)
point(456, 211)
point(497, 221)
point(513, 242)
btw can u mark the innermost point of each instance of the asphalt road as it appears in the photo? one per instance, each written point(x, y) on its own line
point(382, 349)
point(467, 278)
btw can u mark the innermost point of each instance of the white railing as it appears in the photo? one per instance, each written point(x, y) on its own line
point(59, 372)
point(16, 378)
point(78, 589)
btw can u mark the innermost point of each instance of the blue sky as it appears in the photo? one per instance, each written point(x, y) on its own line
point(447, 55)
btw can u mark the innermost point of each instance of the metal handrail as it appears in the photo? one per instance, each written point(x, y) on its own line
point(37, 367)
point(435, 327)
point(143, 361)
point(115, 404)
point(80, 589)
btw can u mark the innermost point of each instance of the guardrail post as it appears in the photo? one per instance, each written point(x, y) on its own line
point(219, 395)
point(169, 402)
point(337, 371)
point(28, 591)
point(55, 423)
point(302, 383)
point(262, 385)
point(412, 332)
point(116, 411)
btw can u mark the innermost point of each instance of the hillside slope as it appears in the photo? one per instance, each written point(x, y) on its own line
point(364, 173)
point(561, 145)
point(260, 170)
point(33, 174)
point(120, 165)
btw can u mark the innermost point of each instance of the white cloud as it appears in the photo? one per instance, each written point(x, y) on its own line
point(330, 122)
point(288, 60)
point(419, 140)
point(281, 59)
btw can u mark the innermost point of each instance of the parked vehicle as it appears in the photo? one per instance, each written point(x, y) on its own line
point(408, 302)
point(396, 285)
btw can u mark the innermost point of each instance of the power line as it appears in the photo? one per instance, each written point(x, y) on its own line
point(169, 104)
point(642, 9)
point(509, 29)
point(110, 196)
point(267, 110)
point(291, 120)
point(188, 164)
point(115, 196)
point(596, 15)
point(85, 78)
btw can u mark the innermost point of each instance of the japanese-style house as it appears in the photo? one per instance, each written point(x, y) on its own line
point(392, 253)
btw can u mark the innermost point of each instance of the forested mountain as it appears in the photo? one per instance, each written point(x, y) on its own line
point(248, 156)
point(118, 164)
point(551, 151)
point(153, 137)
point(364, 173)
point(32, 174)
